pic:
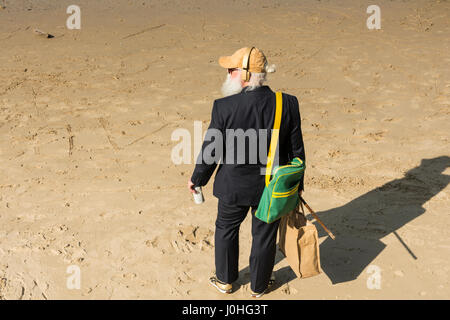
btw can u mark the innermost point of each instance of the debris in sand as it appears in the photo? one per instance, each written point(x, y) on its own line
point(69, 130)
point(43, 34)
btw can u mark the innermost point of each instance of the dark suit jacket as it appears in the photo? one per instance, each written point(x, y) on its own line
point(243, 183)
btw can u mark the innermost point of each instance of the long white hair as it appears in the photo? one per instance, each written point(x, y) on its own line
point(257, 79)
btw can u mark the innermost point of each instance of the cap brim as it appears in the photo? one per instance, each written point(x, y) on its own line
point(226, 62)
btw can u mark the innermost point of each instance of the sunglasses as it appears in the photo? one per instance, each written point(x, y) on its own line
point(230, 71)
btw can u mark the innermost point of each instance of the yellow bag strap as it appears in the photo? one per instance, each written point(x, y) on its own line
point(275, 134)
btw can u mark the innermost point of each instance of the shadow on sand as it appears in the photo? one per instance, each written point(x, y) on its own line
point(360, 224)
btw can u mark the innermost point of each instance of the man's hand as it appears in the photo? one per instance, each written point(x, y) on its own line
point(191, 187)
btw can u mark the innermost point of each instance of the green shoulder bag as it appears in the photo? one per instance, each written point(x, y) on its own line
point(280, 196)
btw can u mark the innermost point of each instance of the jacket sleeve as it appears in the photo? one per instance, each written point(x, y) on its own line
point(204, 169)
point(296, 137)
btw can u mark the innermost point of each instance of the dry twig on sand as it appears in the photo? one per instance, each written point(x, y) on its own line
point(142, 31)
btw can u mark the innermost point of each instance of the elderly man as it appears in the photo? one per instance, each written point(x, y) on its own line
point(247, 105)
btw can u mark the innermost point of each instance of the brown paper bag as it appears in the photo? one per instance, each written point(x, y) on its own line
point(299, 242)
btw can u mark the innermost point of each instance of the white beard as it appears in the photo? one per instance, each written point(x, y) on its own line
point(231, 86)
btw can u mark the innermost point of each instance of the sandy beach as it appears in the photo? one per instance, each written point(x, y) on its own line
point(86, 118)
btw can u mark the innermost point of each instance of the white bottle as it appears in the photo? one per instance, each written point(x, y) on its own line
point(198, 195)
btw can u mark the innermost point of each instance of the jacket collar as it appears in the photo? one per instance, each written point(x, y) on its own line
point(259, 89)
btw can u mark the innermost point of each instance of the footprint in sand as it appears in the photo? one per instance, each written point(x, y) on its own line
point(190, 238)
point(376, 136)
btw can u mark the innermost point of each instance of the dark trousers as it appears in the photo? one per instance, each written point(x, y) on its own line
point(262, 257)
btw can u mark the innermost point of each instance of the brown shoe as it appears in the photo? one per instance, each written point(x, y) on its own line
point(221, 286)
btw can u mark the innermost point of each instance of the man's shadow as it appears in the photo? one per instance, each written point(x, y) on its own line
point(360, 224)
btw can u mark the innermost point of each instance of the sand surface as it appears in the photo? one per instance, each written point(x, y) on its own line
point(86, 120)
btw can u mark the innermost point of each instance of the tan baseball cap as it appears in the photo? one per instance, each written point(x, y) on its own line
point(256, 64)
